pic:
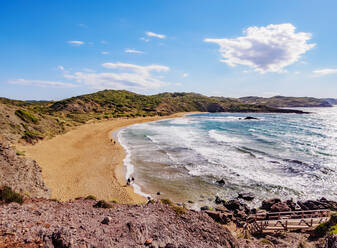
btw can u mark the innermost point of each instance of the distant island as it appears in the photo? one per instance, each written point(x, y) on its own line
point(289, 102)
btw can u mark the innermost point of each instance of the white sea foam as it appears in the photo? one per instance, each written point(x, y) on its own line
point(209, 150)
point(129, 166)
point(222, 137)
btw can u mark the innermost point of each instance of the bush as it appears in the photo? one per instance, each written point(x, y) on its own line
point(31, 136)
point(91, 197)
point(19, 153)
point(166, 201)
point(102, 204)
point(7, 195)
point(325, 228)
point(26, 116)
point(179, 210)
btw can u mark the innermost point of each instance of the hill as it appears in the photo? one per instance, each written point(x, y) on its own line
point(286, 102)
point(34, 120)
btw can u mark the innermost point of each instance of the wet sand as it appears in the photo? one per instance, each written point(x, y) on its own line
point(86, 161)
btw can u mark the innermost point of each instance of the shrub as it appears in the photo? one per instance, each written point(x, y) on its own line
point(166, 201)
point(31, 136)
point(19, 153)
point(102, 204)
point(179, 210)
point(7, 195)
point(26, 116)
point(327, 227)
point(91, 197)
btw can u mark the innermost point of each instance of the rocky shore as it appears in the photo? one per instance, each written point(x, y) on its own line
point(238, 211)
point(86, 222)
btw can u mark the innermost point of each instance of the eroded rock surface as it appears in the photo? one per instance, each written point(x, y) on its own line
point(78, 224)
point(23, 175)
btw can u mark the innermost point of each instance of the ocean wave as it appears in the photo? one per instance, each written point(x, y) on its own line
point(222, 137)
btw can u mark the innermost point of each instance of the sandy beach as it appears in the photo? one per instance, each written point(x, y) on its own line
point(84, 161)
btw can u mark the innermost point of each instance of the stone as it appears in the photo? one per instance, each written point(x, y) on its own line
point(331, 241)
point(233, 205)
point(250, 118)
point(221, 209)
point(246, 196)
point(218, 200)
point(266, 205)
point(218, 217)
point(221, 181)
point(148, 241)
point(280, 207)
point(203, 208)
point(106, 220)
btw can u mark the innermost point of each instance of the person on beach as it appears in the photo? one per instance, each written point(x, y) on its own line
point(128, 182)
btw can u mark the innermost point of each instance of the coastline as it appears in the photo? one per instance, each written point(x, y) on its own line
point(84, 161)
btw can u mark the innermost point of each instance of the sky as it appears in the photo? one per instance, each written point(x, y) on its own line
point(51, 50)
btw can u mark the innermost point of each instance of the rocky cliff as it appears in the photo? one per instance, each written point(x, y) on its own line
point(21, 174)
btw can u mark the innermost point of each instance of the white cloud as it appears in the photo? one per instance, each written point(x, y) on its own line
point(323, 72)
point(104, 42)
point(60, 68)
point(41, 83)
point(76, 42)
point(105, 53)
point(159, 36)
point(265, 49)
point(144, 39)
point(185, 75)
point(127, 76)
point(133, 51)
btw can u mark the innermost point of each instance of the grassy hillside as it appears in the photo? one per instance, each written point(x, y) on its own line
point(286, 102)
point(36, 120)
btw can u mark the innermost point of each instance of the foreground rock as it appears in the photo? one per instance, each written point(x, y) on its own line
point(21, 174)
point(78, 224)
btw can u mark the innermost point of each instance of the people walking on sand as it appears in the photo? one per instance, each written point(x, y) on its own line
point(128, 182)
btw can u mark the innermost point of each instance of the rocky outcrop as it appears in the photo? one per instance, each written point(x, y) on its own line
point(77, 224)
point(21, 174)
point(331, 241)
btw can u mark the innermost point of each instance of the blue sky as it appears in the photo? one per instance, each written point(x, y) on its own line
point(57, 49)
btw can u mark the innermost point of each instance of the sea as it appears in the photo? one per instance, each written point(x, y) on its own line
point(276, 155)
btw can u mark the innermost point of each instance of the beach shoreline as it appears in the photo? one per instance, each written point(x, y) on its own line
point(86, 161)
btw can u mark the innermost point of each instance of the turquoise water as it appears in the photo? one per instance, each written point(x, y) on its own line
point(282, 155)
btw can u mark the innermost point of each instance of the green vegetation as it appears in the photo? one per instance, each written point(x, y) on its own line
point(26, 116)
point(20, 153)
point(40, 119)
point(102, 204)
point(7, 195)
point(329, 227)
point(179, 210)
point(91, 197)
point(30, 136)
point(166, 201)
